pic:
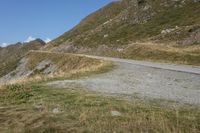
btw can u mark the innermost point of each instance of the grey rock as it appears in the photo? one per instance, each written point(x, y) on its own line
point(56, 111)
point(115, 113)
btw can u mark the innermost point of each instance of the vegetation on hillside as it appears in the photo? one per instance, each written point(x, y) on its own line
point(90, 23)
point(116, 21)
point(159, 53)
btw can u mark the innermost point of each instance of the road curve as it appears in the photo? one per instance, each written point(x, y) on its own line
point(179, 83)
point(166, 66)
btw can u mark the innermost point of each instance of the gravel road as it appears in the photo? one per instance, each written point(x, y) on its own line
point(179, 83)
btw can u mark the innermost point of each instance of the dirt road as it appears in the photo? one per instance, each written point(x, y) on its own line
point(179, 83)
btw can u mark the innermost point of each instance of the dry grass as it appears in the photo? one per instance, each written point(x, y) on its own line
point(21, 102)
point(64, 62)
point(84, 111)
point(160, 53)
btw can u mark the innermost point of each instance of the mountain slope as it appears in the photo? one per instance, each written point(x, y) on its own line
point(132, 20)
point(10, 55)
point(121, 23)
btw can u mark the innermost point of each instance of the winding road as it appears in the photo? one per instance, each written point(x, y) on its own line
point(179, 83)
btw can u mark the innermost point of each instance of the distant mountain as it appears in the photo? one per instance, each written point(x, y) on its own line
point(138, 29)
point(10, 55)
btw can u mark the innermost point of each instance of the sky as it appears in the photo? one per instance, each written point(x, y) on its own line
point(25, 20)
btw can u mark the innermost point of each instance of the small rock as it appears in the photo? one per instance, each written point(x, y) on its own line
point(105, 36)
point(120, 49)
point(115, 113)
point(149, 75)
point(56, 111)
point(166, 31)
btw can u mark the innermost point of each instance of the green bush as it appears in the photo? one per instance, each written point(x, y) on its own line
point(19, 92)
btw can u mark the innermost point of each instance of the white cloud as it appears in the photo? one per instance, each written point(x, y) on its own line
point(4, 44)
point(47, 40)
point(29, 39)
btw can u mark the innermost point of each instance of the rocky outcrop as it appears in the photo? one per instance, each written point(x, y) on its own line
point(194, 36)
point(45, 67)
point(20, 72)
point(12, 54)
point(185, 35)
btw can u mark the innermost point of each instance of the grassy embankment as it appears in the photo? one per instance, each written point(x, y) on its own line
point(65, 65)
point(159, 53)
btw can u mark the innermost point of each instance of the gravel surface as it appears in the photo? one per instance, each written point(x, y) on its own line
point(179, 83)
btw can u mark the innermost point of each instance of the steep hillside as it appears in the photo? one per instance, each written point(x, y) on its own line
point(134, 20)
point(115, 26)
point(10, 55)
point(41, 63)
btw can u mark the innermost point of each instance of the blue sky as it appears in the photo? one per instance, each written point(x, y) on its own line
point(22, 19)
